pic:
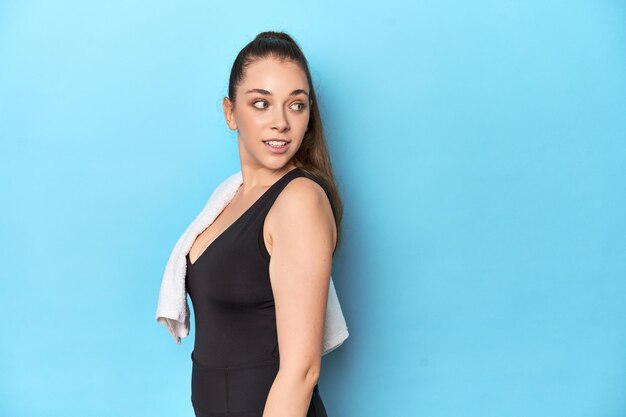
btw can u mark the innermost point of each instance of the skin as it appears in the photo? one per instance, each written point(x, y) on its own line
point(299, 230)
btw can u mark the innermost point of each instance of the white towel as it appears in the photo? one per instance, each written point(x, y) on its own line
point(173, 309)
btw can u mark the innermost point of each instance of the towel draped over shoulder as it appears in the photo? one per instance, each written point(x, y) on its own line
point(173, 308)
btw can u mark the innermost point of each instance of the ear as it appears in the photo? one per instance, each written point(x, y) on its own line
point(228, 107)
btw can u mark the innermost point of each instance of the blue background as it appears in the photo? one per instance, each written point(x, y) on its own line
point(480, 149)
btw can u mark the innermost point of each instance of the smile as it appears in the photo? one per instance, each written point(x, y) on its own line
point(277, 146)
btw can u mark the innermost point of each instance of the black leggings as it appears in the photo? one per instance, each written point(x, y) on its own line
point(238, 391)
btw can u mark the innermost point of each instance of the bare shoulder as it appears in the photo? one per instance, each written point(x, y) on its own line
point(302, 201)
point(301, 188)
point(303, 198)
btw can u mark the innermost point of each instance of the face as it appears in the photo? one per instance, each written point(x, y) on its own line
point(272, 102)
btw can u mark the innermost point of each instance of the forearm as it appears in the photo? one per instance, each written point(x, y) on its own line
point(290, 394)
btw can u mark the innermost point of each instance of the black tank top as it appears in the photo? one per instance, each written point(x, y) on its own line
point(230, 289)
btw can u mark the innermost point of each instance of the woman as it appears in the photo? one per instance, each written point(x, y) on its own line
point(258, 276)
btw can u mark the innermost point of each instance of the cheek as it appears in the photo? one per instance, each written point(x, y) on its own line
point(305, 123)
point(249, 121)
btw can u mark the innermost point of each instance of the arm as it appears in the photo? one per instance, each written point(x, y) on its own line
point(303, 236)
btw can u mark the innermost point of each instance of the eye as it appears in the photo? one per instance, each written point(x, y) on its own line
point(259, 101)
point(302, 106)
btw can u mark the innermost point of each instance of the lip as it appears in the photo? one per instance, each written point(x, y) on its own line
point(284, 140)
point(277, 150)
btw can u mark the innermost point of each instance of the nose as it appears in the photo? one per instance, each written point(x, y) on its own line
point(280, 120)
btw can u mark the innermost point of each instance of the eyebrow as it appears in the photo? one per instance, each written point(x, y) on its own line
point(267, 93)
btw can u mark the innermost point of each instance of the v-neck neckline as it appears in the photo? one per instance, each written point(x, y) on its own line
point(248, 210)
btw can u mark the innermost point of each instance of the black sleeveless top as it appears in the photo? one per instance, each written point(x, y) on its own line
point(229, 285)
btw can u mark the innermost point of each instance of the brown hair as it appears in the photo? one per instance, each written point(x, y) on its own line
point(312, 156)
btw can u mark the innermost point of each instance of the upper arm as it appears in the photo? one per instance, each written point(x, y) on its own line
point(303, 236)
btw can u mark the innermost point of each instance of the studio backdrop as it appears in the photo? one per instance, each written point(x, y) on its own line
point(479, 148)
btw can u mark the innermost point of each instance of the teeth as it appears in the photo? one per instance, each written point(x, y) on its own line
point(276, 143)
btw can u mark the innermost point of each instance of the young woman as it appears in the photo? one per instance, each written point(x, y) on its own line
point(258, 276)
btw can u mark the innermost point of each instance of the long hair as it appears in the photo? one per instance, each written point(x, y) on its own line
point(312, 156)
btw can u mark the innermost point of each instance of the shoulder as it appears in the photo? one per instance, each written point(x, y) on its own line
point(225, 188)
point(302, 215)
point(302, 201)
point(302, 194)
